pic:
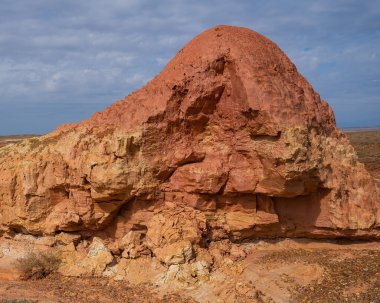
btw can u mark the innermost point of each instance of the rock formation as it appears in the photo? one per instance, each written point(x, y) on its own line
point(228, 142)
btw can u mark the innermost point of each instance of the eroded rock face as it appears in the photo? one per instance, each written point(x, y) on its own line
point(229, 141)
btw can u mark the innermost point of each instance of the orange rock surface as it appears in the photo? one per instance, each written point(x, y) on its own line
point(229, 141)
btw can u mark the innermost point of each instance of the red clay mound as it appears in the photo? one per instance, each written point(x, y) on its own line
point(229, 141)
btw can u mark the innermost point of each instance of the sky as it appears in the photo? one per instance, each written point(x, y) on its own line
point(61, 61)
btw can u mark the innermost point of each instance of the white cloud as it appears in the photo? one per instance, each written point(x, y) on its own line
point(137, 79)
point(52, 83)
point(162, 61)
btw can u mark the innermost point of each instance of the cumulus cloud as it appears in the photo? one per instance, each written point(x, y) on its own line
point(77, 57)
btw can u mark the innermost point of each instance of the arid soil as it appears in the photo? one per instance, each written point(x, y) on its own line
point(60, 289)
point(276, 271)
point(367, 146)
point(347, 275)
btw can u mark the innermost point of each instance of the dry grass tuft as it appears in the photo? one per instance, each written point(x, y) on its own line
point(38, 265)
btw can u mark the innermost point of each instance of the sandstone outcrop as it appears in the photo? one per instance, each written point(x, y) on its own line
point(228, 142)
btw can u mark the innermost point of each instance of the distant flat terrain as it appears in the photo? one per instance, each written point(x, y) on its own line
point(5, 140)
point(367, 146)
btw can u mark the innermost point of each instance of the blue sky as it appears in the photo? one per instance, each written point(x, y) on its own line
point(60, 61)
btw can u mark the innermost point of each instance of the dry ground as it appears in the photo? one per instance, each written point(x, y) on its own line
point(367, 146)
point(345, 274)
point(77, 290)
point(276, 271)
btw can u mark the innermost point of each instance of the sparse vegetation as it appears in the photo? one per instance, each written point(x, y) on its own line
point(38, 265)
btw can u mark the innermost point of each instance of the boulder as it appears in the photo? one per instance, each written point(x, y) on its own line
point(176, 253)
point(79, 263)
